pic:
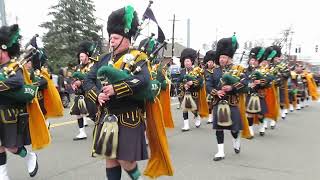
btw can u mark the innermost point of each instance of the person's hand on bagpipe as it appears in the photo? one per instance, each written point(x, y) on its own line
point(221, 93)
point(226, 88)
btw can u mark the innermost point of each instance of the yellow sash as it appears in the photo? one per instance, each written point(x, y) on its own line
point(245, 124)
point(159, 163)
point(164, 98)
point(39, 133)
point(312, 87)
point(202, 102)
point(52, 100)
point(272, 103)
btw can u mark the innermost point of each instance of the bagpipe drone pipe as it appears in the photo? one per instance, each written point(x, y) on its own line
point(108, 74)
point(26, 93)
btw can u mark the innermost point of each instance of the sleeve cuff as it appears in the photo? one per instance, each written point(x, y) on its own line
point(92, 95)
point(122, 90)
point(195, 82)
point(263, 82)
point(214, 92)
point(3, 86)
point(238, 85)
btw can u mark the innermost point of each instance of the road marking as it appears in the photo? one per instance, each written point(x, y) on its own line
point(75, 121)
point(62, 123)
point(173, 104)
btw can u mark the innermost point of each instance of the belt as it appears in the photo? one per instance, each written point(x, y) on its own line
point(12, 106)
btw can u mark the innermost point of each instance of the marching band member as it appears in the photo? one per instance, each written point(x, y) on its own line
point(271, 94)
point(256, 104)
point(122, 106)
point(21, 120)
point(281, 74)
point(83, 105)
point(298, 86)
point(209, 60)
point(225, 91)
point(192, 93)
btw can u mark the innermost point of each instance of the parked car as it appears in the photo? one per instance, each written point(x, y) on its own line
point(175, 74)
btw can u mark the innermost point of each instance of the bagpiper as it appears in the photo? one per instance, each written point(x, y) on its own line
point(47, 95)
point(281, 73)
point(226, 88)
point(84, 105)
point(256, 106)
point(21, 120)
point(34, 65)
point(191, 89)
point(271, 94)
point(298, 87)
point(160, 72)
point(122, 83)
point(209, 60)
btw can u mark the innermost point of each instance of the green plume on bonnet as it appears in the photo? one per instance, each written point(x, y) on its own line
point(14, 38)
point(272, 54)
point(260, 53)
point(151, 45)
point(128, 17)
point(92, 47)
point(234, 41)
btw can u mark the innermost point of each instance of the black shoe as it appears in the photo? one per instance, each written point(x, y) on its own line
point(218, 158)
point(185, 130)
point(237, 151)
point(261, 133)
point(35, 171)
point(209, 122)
point(78, 139)
point(283, 118)
point(198, 126)
point(272, 127)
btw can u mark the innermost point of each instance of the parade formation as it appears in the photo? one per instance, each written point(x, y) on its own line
point(125, 92)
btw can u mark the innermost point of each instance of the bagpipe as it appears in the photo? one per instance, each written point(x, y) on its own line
point(159, 72)
point(196, 73)
point(188, 103)
point(254, 105)
point(260, 73)
point(27, 92)
point(279, 72)
point(131, 65)
point(231, 77)
point(81, 72)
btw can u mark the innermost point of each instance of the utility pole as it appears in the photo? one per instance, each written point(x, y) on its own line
point(172, 39)
point(290, 43)
point(3, 13)
point(216, 34)
point(188, 33)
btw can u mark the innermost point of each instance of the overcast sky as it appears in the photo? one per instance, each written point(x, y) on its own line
point(250, 19)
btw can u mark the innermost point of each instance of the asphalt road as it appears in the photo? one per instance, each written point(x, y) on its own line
point(291, 151)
